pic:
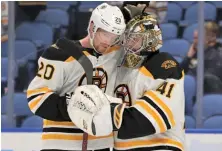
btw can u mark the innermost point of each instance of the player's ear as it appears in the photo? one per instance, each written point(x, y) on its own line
point(91, 28)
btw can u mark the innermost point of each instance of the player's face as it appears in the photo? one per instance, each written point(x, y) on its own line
point(103, 40)
point(209, 37)
point(133, 42)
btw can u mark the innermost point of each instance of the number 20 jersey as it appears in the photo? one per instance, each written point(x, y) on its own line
point(58, 76)
point(154, 93)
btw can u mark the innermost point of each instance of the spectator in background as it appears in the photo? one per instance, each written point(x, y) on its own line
point(4, 21)
point(212, 59)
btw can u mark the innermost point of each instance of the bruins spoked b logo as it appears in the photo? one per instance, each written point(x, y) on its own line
point(100, 78)
point(122, 92)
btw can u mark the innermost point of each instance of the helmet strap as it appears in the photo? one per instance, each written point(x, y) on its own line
point(92, 36)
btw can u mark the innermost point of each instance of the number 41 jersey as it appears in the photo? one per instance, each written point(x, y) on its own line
point(154, 93)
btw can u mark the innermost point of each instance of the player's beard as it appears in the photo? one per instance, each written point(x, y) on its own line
point(102, 48)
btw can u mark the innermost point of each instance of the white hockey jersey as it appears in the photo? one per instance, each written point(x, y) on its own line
point(154, 93)
point(58, 76)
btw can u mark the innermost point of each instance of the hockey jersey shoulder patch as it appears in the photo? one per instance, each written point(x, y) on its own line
point(163, 66)
point(168, 64)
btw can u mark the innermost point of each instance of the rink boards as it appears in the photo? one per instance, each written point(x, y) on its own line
point(30, 140)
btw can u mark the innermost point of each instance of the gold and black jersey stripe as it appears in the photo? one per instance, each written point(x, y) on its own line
point(48, 105)
point(150, 145)
point(139, 116)
point(163, 147)
point(64, 130)
point(134, 124)
point(159, 110)
point(156, 108)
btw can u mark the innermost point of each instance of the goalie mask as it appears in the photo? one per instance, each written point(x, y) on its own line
point(141, 37)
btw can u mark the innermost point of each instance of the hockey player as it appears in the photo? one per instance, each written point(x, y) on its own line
point(150, 83)
point(59, 74)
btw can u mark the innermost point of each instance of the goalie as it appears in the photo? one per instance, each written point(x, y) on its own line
point(150, 84)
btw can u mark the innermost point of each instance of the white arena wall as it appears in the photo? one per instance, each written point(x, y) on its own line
point(30, 140)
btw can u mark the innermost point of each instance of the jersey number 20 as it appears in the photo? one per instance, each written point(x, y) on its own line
point(45, 71)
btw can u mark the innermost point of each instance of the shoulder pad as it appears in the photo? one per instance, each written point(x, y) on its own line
point(163, 66)
point(58, 54)
point(54, 53)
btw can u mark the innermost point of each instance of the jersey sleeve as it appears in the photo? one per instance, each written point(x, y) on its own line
point(42, 93)
point(155, 112)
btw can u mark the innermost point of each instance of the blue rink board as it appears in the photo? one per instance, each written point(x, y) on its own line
point(35, 130)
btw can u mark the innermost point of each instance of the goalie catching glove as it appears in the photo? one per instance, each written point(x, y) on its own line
point(90, 110)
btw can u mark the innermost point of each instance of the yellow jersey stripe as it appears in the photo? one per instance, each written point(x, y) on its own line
point(70, 137)
point(151, 112)
point(160, 103)
point(116, 117)
point(35, 101)
point(86, 53)
point(70, 59)
point(55, 123)
point(155, 141)
point(147, 73)
point(38, 91)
